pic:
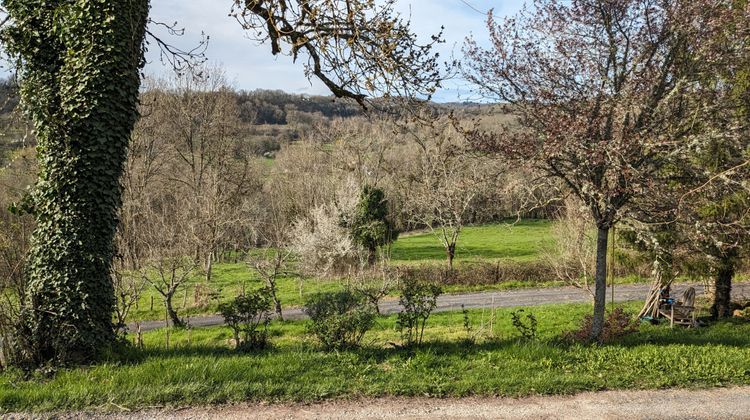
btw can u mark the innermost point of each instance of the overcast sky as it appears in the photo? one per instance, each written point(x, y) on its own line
point(251, 66)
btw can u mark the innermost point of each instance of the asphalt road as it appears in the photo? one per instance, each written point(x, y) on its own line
point(499, 299)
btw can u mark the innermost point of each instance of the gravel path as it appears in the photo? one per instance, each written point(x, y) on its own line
point(506, 298)
point(718, 403)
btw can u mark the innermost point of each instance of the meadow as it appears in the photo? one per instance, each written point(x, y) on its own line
point(521, 243)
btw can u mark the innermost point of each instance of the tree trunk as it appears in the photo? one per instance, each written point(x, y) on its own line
point(600, 284)
point(721, 307)
point(79, 86)
point(276, 301)
point(450, 251)
point(209, 267)
point(176, 321)
point(372, 256)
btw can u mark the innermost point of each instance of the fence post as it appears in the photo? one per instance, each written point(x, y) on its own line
point(3, 361)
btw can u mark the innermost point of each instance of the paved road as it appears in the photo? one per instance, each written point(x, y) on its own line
point(500, 299)
point(718, 403)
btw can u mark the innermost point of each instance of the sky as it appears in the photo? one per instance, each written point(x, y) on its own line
point(251, 66)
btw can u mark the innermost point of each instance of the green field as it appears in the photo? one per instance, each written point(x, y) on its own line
point(519, 242)
point(227, 282)
point(199, 368)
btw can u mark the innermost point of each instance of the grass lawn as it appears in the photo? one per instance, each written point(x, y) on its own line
point(199, 368)
point(227, 282)
point(519, 242)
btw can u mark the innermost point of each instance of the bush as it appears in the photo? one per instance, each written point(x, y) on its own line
point(617, 324)
point(527, 328)
point(323, 245)
point(370, 224)
point(481, 273)
point(418, 300)
point(339, 319)
point(248, 316)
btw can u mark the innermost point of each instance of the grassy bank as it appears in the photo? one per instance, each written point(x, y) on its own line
point(199, 367)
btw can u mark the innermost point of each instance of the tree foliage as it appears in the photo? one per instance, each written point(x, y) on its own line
point(370, 225)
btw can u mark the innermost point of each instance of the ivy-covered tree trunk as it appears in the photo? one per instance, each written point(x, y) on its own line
point(79, 63)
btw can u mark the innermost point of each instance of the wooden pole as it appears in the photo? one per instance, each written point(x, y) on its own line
point(139, 335)
point(166, 323)
point(3, 360)
point(612, 269)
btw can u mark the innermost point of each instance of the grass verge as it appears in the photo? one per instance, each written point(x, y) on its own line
point(199, 368)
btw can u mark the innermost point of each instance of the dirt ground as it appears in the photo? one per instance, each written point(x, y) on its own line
point(715, 403)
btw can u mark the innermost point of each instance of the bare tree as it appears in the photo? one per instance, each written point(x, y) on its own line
point(276, 260)
point(187, 144)
point(375, 282)
point(272, 265)
point(168, 265)
point(129, 286)
point(168, 275)
point(145, 168)
point(357, 48)
point(444, 182)
point(200, 122)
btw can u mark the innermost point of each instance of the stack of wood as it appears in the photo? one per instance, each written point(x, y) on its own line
point(654, 299)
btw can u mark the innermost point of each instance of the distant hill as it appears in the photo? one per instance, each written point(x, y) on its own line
point(271, 118)
point(277, 107)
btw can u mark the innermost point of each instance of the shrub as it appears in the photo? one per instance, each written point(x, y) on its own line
point(339, 319)
point(471, 337)
point(525, 325)
point(248, 316)
point(370, 224)
point(323, 245)
point(481, 273)
point(418, 300)
point(617, 324)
